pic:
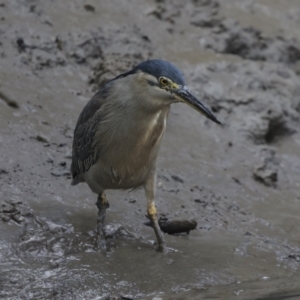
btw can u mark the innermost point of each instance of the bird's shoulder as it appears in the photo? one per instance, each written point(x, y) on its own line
point(93, 105)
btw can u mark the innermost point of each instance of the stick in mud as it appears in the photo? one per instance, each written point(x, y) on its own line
point(175, 226)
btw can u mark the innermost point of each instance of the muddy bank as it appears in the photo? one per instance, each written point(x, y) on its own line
point(239, 183)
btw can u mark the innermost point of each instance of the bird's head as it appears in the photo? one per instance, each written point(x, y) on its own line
point(165, 83)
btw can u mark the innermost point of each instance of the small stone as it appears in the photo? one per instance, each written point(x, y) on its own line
point(89, 8)
point(17, 218)
point(236, 180)
point(294, 257)
point(177, 178)
point(265, 175)
point(54, 264)
point(3, 171)
point(13, 280)
point(5, 218)
point(205, 226)
point(59, 173)
point(41, 139)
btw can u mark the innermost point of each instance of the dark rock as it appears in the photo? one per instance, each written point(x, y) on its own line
point(89, 8)
point(58, 173)
point(3, 171)
point(8, 101)
point(175, 226)
point(295, 257)
point(266, 171)
point(265, 174)
point(21, 45)
point(230, 37)
point(42, 139)
point(177, 178)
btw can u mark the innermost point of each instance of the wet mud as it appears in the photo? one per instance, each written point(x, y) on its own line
point(239, 183)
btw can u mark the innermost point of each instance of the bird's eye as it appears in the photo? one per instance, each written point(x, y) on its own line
point(163, 81)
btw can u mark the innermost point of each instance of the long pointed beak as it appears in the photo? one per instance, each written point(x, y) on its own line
point(184, 95)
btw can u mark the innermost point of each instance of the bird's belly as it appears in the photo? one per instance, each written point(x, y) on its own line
point(130, 168)
point(131, 173)
point(134, 168)
point(129, 160)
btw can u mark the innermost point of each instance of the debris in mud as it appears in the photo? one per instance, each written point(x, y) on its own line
point(120, 52)
point(14, 211)
point(265, 128)
point(210, 207)
point(205, 227)
point(230, 37)
point(89, 7)
point(8, 101)
point(3, 171)
point(41, 238)
point(132, 200)
point(41, 138)
point(236, 180)
point(175, 226)
point(21, 45)
point(177, 178)
point(40, 54)
point(118, 297)
point(161, 12)
point(108, 53)
point(262, 104)
point(205, 13)
point(59, 173)
point(198, 200)
point(200, 13)
point(295, 257)
point(267, 171)
point(265, 175)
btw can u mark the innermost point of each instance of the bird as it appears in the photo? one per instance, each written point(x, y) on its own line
point(118, 134)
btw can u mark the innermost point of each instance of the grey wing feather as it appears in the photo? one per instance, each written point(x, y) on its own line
point(84, 154)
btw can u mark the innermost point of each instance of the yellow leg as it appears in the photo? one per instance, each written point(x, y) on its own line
point(159, 235)
point(152, 213)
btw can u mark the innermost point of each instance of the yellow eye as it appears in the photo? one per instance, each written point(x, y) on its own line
point(163, 81)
